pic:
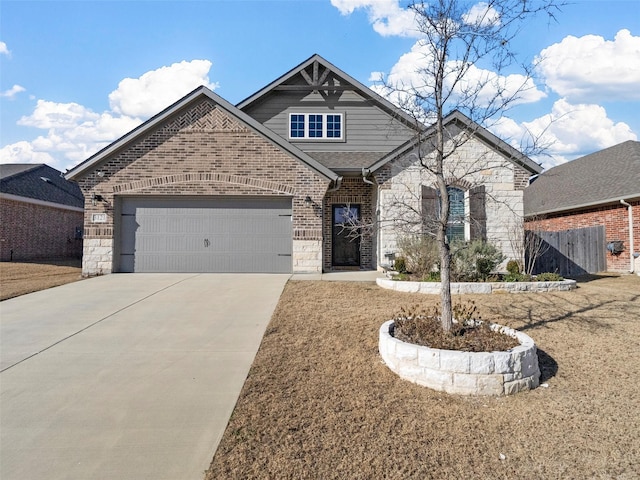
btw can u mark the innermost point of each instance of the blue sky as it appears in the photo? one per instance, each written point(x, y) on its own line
point(77, 75)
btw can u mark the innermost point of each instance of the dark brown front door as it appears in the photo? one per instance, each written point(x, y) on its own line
point(346, 236)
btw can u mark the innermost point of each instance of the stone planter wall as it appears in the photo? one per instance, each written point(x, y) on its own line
point(466, 373)
point(477, 287)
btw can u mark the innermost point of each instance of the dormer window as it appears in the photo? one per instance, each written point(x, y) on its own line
point(323, 126)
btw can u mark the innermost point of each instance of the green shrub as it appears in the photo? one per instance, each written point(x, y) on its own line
point(517, 277)
point(474, 261)
point(400, 265)
point(420, 253)
point(513, 266)
point(548, 277)
point(431, 277)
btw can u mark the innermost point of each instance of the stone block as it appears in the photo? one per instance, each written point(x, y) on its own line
point(481, 363)
point(429, 358)
point(406, 351)
point(465, 384)
point(454, 362)
point(490, 385)
point(503, 362)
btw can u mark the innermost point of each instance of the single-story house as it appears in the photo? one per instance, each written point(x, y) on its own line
point(598, 190)
point(41, 213)
point(266, 185)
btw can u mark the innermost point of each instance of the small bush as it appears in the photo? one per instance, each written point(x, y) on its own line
point(548, 277)
point(400, 265)
point(513, 266)
point(431, 277)
point(420, 253)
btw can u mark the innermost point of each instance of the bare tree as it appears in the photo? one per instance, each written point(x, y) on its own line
point(527, 243)
point(466, 52)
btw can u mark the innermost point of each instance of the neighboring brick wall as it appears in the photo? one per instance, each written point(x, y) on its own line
point(34, 231)
point(203, 151)
point(615, 220)
point(352, 191)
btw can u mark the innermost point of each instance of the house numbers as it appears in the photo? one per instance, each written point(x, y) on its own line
point(99, 217)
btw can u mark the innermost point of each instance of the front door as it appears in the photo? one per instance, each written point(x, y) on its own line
point(346, 236)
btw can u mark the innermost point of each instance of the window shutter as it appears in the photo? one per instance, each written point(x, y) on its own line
point(429, 209)
point(478, 213)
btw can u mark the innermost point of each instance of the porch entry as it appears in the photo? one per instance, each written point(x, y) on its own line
point(345, 240)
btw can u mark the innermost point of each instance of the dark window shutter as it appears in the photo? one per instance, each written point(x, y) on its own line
point(478, 213)
point(429, 209)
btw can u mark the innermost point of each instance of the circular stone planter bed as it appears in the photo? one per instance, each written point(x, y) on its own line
point(476, 287)
point(466, 373)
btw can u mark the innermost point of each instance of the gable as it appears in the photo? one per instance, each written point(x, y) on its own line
point(372, 125)
point(456, 125)
point(198, 112)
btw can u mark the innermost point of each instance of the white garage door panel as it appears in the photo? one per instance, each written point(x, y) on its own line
point(214, 234)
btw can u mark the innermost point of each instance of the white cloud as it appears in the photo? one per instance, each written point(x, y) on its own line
point(157, 89)
point(24, 152)
point(387, 16)
point(57, 115)
point(12, 92)
point(569, 131)
point(75, 132)
point(593, 69)
point(4, 50)
point(482, 15)
point(406, 75)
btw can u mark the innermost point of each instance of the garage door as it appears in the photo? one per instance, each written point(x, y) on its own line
point(212, 234)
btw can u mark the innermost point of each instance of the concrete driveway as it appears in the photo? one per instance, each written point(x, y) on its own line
point(126, 376)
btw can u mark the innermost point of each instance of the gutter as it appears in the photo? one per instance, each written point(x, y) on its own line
point(631, 245)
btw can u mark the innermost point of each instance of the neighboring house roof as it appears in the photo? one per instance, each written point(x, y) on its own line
point(317, 60)
point(458, 118)
point(194, 96)
point(39, 182)
point(600, 178)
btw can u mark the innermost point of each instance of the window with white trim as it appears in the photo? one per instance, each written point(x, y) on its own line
point(325, 126)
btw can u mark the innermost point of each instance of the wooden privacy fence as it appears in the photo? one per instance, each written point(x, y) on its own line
point(572, 252)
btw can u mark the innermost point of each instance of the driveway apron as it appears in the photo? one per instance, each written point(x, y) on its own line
point(127, 376)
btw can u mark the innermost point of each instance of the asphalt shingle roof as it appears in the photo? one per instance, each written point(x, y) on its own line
point(599, 178)
point(40, 182)
point(347, 161)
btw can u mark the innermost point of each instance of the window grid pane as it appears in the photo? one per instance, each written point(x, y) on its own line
point(334, 129)
point(297, 126)
point(315, 126)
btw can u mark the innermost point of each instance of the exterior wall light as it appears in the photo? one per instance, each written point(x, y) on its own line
point(307, 201)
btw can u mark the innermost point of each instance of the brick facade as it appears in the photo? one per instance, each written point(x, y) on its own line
point(615, 220)
point(352, 191)
point(201, 151)
point(30, 231)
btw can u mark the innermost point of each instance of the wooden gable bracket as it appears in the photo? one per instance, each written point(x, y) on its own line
point(315, 81)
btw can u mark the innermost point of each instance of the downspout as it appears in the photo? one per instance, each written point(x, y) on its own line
point(336, 185)
point(631, 246)
point(365, 173)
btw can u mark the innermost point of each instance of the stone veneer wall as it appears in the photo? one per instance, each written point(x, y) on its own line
point(504, 183)
point(201, 151)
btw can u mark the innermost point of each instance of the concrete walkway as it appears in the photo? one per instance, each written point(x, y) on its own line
point(126, 376)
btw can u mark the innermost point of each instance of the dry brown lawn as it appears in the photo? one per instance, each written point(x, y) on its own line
point(319, 404)
point(17, 278)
